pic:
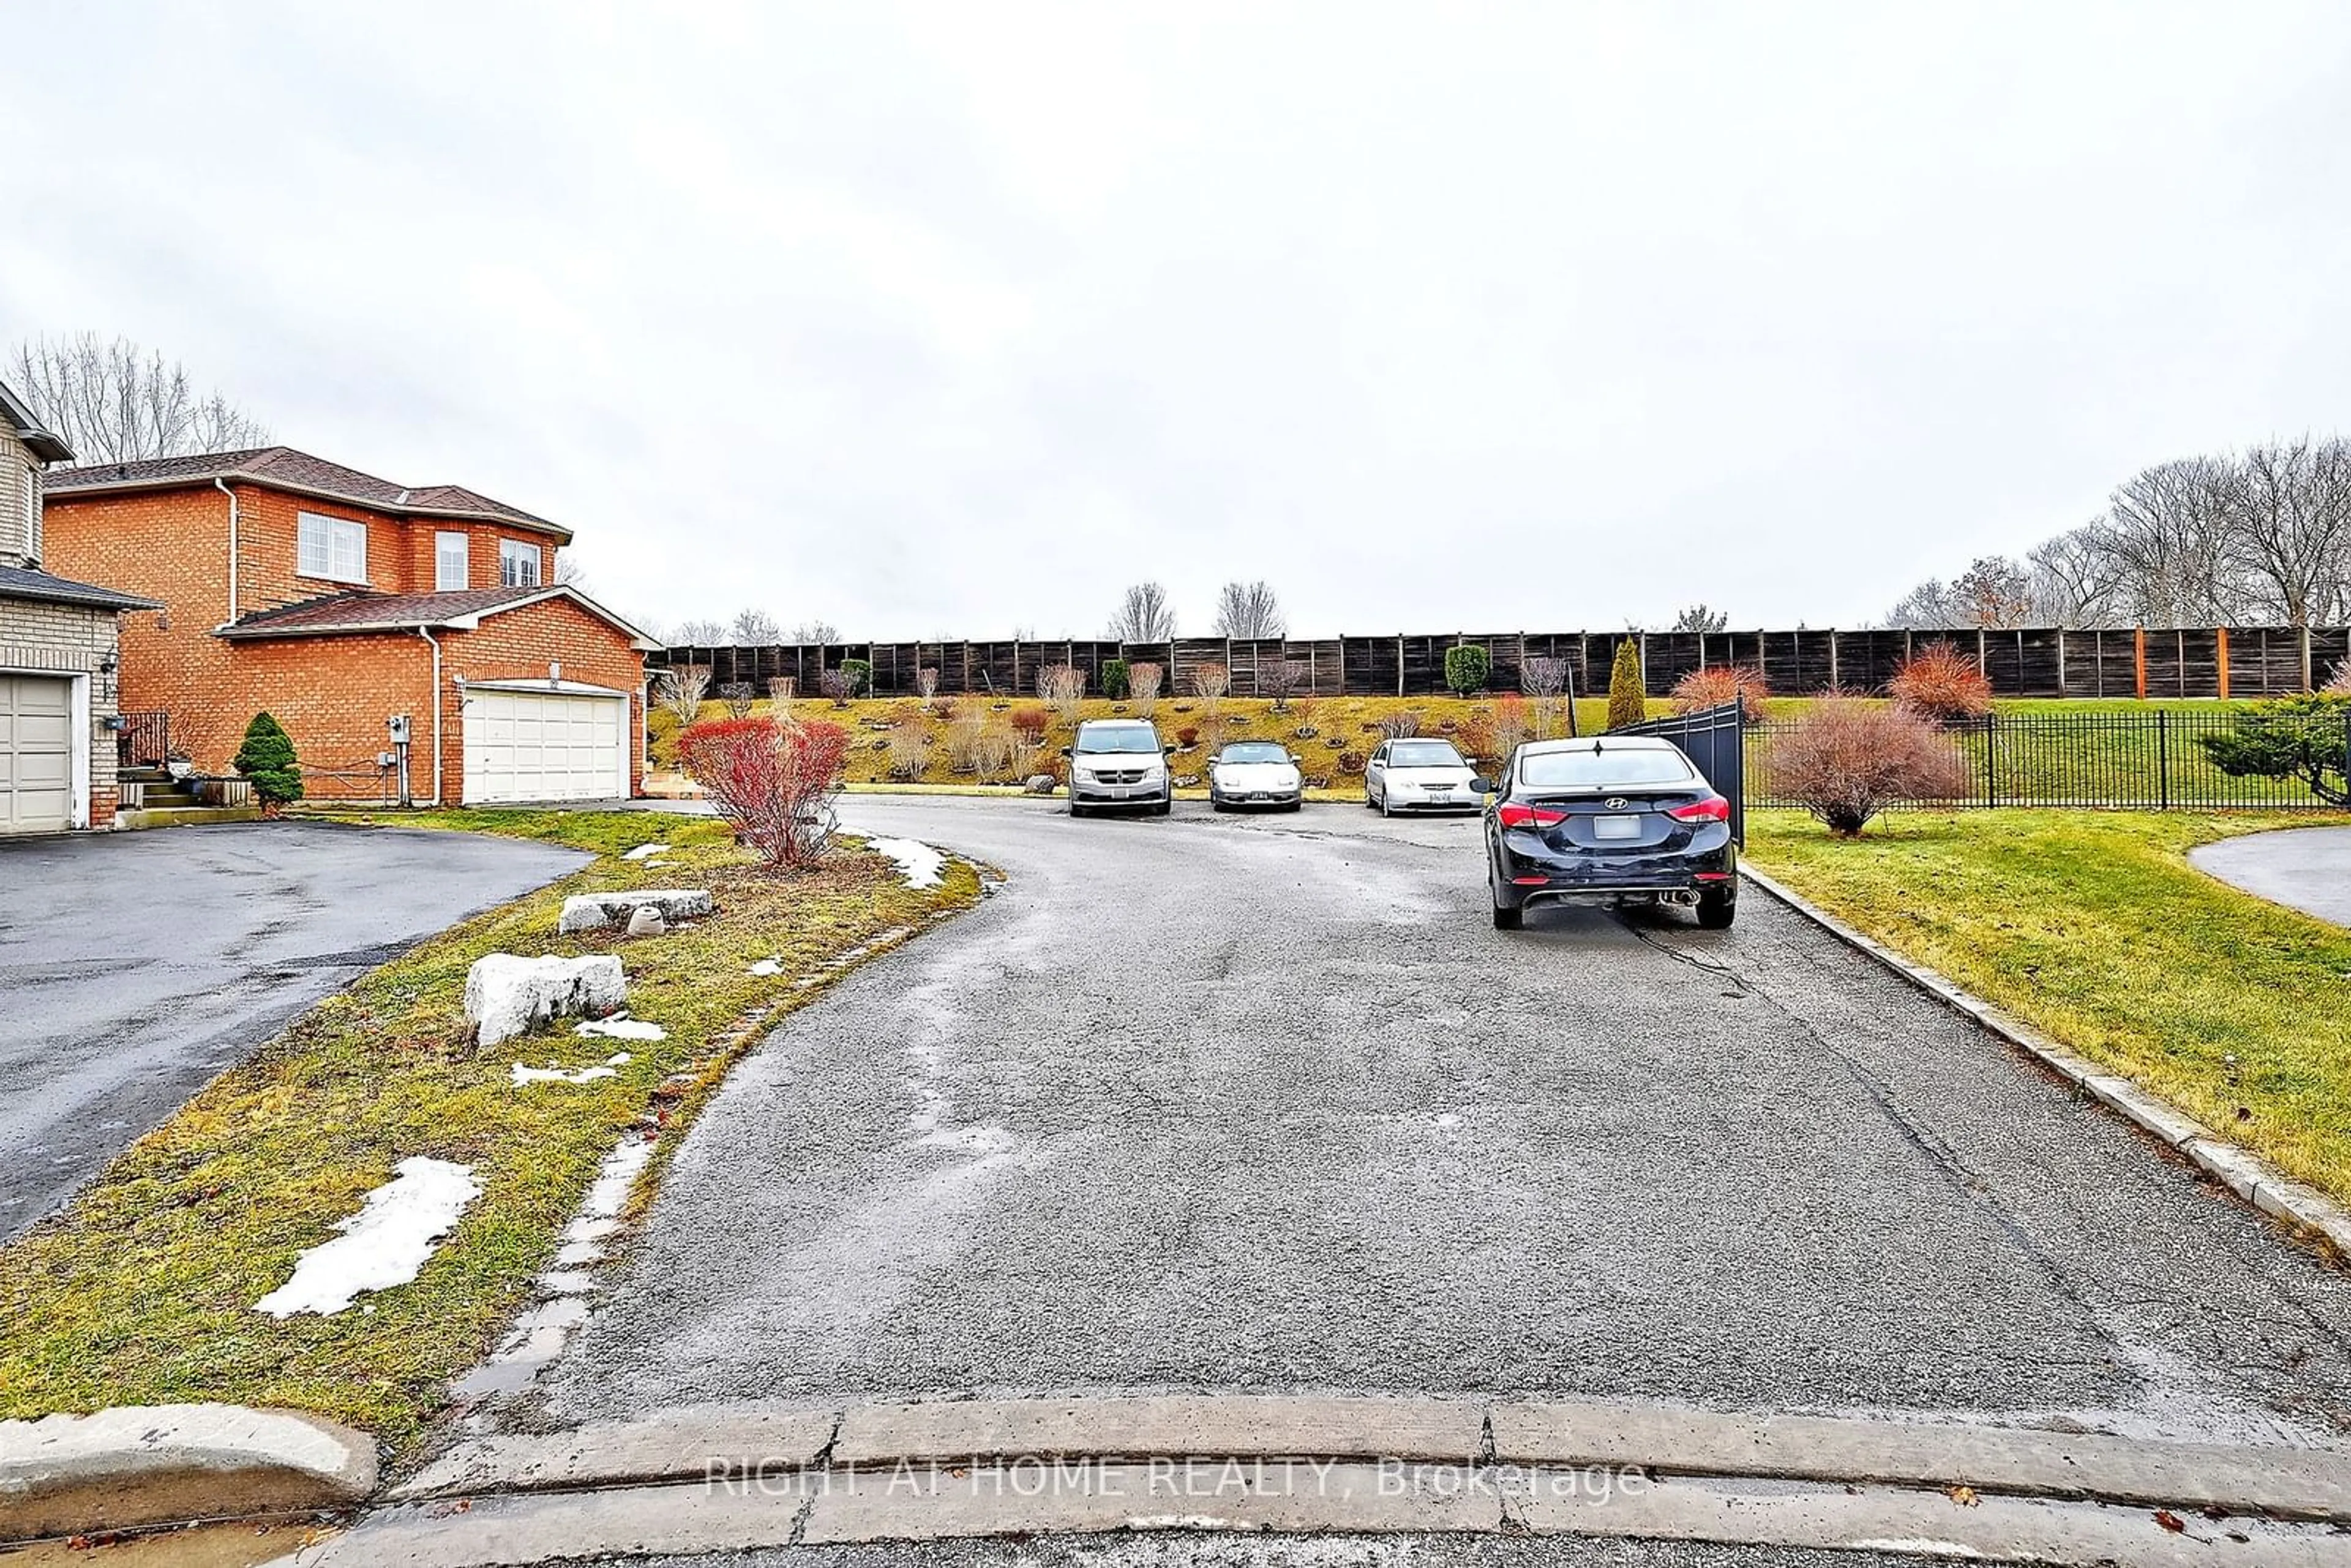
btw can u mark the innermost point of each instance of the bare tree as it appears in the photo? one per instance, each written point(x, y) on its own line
point(2290, 541)
point(568, 571)
point(2167, 531)
point(1064, 687)
point(1143, 683)
point(1926, 605)
point(1280, 679)
point(753, 629)
point(1544, 680)
point(1994, 591)
point(780, 689)
point(1209, 683)
point(927, 682)
point(680, 689)
point(699, 633)
point(1144, 615)
point(808, 633)
point(1701, 618)
point(1249, 611)
point(738, 697)
point(118, 403)
point(2073, 579)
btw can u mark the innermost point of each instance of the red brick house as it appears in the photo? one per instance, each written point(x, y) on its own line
point(342, 602)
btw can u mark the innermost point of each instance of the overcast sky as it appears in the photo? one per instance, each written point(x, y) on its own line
point(955, 318)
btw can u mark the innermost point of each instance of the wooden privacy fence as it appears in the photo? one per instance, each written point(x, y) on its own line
point(2033, 662)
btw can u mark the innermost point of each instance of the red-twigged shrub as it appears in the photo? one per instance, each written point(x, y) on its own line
point(1352, 761)
point(1719, 683)
point(1847, 760)
point(1474, 738)
point(774, 783)
point(1031, 723)
point(1941, 682)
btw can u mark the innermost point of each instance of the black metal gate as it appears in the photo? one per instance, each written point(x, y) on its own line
point(1715, 740)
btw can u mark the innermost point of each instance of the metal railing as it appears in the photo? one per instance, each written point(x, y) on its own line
point(2121, 761)
point(143, 739)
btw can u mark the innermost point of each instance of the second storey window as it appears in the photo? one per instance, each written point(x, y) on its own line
point(449, 563)
point(331, 547)
point(517, 564)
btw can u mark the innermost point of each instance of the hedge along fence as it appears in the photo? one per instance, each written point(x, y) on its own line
point(2037, 662)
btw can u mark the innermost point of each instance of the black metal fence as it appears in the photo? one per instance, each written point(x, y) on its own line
point(2019, 662)
point(1716, 741)
point(2133, 762)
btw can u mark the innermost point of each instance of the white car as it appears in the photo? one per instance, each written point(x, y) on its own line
point(1419, 774)
point(1118, 762)
point(1255, 773)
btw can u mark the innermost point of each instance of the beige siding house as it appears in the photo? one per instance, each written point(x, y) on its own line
point(60, 653)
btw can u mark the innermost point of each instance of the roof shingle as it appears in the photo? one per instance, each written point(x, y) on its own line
point(298, 470)
point(16, 583)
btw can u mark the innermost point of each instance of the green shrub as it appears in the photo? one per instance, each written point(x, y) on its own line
point(2307, 737)
point(1465, 668)
point(1113, 679)
point(1629, 701)
point(267, 758)
point(861, 677)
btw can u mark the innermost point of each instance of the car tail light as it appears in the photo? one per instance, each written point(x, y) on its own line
point(1713, 809)
point(1517, 816)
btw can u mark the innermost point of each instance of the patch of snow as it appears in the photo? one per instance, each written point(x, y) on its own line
point(766, 966)
point(642, 851)
point(384, 1244)
point(524, 1075)
point(919, 865)
point(652, 865)
point(622, 1027)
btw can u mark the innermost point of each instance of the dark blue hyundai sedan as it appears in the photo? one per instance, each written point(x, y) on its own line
point(1614, 819)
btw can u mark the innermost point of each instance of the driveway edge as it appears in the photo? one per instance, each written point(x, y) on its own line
point(156, 1464)
point(2242, 1172)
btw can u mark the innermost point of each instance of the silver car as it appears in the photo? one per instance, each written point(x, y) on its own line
point(1118, 762)
point(1419, 774)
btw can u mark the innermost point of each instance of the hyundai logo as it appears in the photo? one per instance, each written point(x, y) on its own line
point(1616, 802)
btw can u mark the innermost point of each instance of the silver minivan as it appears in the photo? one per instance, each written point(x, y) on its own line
point(1118, 762)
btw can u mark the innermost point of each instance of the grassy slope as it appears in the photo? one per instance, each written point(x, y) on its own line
point(1346, 729)
point(2093, 927)
point(141, 1292)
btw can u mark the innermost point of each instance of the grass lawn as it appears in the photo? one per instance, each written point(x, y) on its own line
point(143, 1290)
point(2093, 927)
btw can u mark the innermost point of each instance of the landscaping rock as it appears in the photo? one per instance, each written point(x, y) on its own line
point(647, 922)
point(594, 910)
point(1039, 784)
point(507, 996)
point(139, 1465)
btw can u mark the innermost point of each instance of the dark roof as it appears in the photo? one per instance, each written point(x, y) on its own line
point(48, 448)
point(285, 468)
point(18, 583)
point(345, 614)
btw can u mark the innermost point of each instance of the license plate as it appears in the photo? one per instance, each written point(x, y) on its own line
point(1615, 828)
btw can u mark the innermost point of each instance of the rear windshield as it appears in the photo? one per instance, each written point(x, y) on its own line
point(1424, 754)
point(1604, 770)
point(1123, 738)
point(1253, 751)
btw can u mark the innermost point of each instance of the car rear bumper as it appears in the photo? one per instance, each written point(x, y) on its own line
point(1603, 878)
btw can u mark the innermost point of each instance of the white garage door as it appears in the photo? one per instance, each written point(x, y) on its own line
point(540, 746)
point(35, 754)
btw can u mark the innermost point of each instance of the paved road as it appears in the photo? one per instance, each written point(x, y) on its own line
point(1202, 1103)
point(134, 966)
point(1228, 1551)
point(2307, 869)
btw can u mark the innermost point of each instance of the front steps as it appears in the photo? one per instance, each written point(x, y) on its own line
point(162, 801)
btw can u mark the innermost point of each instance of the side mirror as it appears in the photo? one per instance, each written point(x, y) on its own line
point(1293, 759)
point(1483, 785)
point(1167, 750)
point(1068, 752)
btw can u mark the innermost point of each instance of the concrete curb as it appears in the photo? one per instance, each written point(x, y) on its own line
point(156, 1464)
point(722, 1443)
point(2243, 1173)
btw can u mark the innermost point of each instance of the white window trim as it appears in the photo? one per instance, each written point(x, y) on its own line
point(464, 562)
point(336, 530)
point(511, 550)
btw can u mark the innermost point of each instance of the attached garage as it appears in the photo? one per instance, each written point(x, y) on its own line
point(529, 745)
point(39, 743)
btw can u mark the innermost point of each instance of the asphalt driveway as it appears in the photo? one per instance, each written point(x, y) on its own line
point(134, 966)
point(1266, 1104)
point(2307, 869)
